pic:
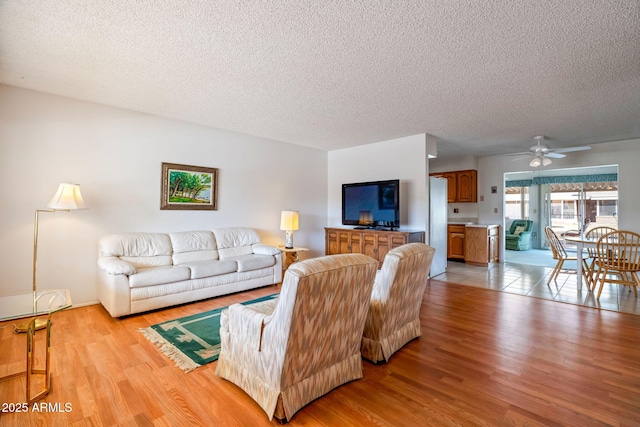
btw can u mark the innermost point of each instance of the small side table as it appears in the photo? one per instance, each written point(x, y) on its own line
point(291, 256)
point(31, 305)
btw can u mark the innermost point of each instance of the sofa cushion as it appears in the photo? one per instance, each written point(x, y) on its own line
point(139, 249)
point(159, 276)
point(193, 246)
point(253, 262)
point(235, 241)
point(201, 269)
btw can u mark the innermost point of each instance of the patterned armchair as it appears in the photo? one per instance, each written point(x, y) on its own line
point(394, 312)
point(284, 353)
point(518, 237)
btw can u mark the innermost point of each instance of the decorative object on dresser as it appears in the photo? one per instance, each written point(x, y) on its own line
point(289, 352)
point(145, 271)
point(394, 311)
point(374, 243)
point(289, 223)
point(185, 187)
point(66, 199)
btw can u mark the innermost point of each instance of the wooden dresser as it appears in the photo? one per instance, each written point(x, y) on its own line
point(374, 243)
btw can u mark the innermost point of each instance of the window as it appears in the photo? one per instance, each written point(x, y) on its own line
point(517, 203)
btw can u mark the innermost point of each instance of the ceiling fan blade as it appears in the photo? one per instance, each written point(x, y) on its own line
point(571, 149)
point(522, 153)
point(555, 155)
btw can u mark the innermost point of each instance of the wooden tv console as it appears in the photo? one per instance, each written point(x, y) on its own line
point(371, 242)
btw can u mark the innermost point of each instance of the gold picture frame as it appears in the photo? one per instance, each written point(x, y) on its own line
point(186, 187)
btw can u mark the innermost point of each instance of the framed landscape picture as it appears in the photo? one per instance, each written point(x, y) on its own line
point(188, 187)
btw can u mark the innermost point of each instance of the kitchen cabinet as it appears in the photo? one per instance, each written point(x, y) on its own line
point(373, 243)
point(462, 186)
point(481, 244)
point(455, 241)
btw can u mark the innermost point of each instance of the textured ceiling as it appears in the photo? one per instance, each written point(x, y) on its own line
point(482, 76)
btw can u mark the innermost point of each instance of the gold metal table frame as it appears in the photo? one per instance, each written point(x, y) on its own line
point(39, 314)
point(31, 368)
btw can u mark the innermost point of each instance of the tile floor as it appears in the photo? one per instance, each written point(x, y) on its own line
point(531, 280)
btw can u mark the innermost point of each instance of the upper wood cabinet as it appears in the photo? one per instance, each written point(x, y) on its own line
point(462, 186)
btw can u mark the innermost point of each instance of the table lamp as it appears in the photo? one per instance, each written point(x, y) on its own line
point(289, 223)
point(67, 198)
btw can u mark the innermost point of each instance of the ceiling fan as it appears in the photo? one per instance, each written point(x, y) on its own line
point(542, 154)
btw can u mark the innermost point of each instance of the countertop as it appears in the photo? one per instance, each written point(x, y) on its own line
point(473, 224)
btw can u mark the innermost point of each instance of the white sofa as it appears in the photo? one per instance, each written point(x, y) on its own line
point(145, 271)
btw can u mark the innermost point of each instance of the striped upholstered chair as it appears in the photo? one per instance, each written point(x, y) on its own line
point(287, 352)
point(394, 313)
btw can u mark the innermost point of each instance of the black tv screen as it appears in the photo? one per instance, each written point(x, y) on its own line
point(371, 204)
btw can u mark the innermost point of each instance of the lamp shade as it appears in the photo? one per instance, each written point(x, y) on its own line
point(535, 162)
point(67, 197)
point(289, 220)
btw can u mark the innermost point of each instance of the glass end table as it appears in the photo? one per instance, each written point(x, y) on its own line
point(38, 307)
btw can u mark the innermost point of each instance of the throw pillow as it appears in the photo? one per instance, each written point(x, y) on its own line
point(519, 229)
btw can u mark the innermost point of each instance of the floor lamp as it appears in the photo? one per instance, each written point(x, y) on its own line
point(66, 199)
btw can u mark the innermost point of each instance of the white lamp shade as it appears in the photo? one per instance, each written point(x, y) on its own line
point(546, 161)
point(289, 220)
point(535, 162)
point(67, 197)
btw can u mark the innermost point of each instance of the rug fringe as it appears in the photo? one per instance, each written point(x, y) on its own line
point(183, 362)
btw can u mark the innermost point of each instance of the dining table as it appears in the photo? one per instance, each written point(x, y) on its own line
point(582, 242)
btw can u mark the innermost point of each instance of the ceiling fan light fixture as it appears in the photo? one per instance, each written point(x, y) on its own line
point(546, 161)
point(535, 162)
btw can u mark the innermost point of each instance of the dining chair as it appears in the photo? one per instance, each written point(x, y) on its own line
point(592, 252)
point(618, 254)
point(560, 255)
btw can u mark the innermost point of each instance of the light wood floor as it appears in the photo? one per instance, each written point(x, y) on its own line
point(485, 358)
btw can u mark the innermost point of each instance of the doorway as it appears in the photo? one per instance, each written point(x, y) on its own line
point(569, 200)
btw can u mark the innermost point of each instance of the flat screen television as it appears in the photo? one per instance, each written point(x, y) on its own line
point(371, 204)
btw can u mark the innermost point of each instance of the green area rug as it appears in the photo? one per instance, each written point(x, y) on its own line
point(191, 341)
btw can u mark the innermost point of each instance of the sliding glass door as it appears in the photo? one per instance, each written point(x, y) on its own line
point(568, 200)
point(572, 208)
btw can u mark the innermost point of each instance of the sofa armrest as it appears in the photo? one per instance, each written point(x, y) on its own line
point(262, 249)
point(114, 265)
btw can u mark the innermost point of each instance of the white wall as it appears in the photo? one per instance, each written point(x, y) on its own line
point(402, 158)
point(116, 155)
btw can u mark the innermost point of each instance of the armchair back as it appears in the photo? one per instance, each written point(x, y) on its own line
point(287, 352)
point(394, 313)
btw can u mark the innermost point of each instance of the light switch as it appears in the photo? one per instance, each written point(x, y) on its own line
point(495, 210)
